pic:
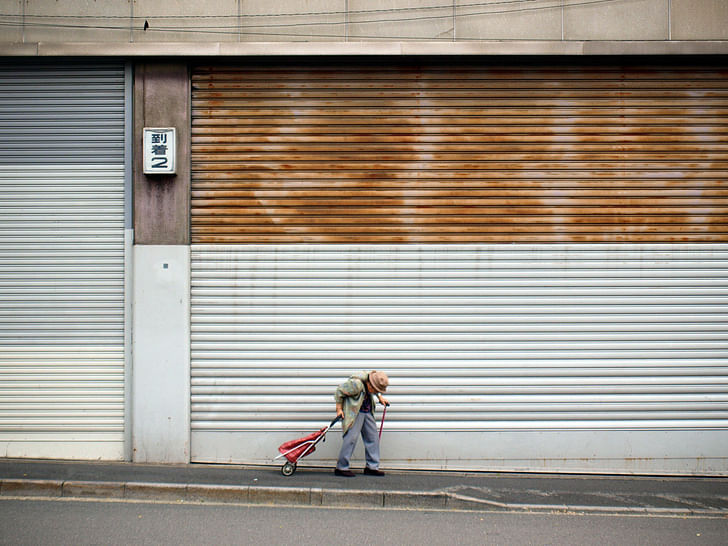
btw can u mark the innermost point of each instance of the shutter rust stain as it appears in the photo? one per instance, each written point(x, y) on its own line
point(459, 154)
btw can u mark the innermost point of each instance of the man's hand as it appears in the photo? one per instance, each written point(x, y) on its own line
point(383, 400)
point(339, 411)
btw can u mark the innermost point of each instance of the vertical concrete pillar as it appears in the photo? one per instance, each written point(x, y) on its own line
point(161, 272)
point(162, 202)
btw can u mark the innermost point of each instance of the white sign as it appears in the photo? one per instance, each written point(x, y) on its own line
point(160, 150)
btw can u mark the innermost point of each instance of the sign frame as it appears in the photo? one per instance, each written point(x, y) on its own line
point(160, 150)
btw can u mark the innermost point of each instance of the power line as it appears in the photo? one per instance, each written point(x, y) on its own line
point(289, 14)
point(514, 6)
point(431, 17)
point(448, 15)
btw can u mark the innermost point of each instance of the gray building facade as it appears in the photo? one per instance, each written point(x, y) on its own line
point(517, 209)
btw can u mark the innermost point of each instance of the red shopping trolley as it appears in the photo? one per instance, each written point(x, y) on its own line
point(296, 449)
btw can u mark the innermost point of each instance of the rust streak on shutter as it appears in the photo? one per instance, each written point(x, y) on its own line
point(392, 154)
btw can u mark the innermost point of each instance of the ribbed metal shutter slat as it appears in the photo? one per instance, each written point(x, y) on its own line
point(62, 260)
point(457, 362)
point(459, 153)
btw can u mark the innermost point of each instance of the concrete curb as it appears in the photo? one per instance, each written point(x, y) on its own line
point(301, 496)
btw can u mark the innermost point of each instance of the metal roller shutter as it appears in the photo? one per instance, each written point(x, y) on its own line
point(478, 339)
point(595, 344)
point(62, 260)
point(463, 153)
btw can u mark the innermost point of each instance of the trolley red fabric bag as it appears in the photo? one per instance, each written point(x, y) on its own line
point(307, 444)
point(295, 449)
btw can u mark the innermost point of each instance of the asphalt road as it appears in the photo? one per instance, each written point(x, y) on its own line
point(59, 522)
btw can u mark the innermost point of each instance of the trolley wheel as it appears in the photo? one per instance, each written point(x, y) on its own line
point(288, 469)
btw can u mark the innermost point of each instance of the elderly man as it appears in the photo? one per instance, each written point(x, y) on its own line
point(355, 405)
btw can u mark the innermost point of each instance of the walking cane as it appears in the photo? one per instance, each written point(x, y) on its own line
point(384, 414)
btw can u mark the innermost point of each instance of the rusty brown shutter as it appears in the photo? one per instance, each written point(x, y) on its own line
point(374, 154)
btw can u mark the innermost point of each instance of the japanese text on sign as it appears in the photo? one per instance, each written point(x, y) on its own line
point(159, 150)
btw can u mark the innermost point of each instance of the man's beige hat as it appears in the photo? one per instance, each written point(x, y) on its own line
point(379, 381)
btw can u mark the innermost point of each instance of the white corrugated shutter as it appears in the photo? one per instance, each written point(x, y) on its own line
point(62, 260)
point(619, 349)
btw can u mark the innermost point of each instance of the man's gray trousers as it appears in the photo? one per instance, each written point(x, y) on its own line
point(367, 427)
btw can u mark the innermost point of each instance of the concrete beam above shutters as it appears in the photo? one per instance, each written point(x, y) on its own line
point(361, 48)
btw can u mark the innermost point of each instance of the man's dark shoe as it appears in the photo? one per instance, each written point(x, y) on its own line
point(344, 473)
point(373, 472)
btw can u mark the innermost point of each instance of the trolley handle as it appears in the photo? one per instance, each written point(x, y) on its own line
point(336, 420)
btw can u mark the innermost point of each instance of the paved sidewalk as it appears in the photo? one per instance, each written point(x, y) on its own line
point(319, 487)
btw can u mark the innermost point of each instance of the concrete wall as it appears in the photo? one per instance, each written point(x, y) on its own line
point(161, 272)
point(161, 378)
point(34, 21)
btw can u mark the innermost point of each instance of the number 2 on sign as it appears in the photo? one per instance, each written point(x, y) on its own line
point(159, 162)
